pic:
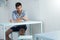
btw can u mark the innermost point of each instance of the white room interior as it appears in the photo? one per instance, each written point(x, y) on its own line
point(47, 11)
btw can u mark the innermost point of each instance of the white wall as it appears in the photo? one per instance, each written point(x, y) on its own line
point(3, 14)
point(50, 14)
point(47, 11)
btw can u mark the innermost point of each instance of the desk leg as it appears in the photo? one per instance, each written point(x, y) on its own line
point(4, 33)
point(41, 28)
point(30, 29)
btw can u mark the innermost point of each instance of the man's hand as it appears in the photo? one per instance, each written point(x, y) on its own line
point(25, 18)
point(18, 20)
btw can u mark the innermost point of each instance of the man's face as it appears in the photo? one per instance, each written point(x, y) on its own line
point(19, 8)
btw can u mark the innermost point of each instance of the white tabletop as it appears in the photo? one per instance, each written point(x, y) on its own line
point(21, 23)
point(51, 35)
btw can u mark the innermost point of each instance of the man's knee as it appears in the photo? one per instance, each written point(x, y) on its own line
point(8, 32)
point(22, 31)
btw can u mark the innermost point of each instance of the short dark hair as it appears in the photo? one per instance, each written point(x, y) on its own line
point(18, 4)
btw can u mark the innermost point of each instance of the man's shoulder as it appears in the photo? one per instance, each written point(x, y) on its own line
point(14, 11)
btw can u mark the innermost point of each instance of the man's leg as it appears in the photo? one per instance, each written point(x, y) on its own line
point(7, 34)
point(22, 31)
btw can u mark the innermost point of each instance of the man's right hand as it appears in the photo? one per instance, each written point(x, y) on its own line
point(18, 20)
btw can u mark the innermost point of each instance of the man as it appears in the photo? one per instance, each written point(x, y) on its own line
point(18, 15)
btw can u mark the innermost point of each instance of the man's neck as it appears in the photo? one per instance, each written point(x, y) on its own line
point(19, 12)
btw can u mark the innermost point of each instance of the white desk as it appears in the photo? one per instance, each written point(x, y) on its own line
point(21, 23)
point(48, 36)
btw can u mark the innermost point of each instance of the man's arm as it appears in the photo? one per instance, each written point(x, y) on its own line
point(25, 18)
point(18, 20)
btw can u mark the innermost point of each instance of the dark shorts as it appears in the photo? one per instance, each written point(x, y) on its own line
point(18, 27)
